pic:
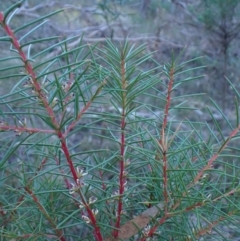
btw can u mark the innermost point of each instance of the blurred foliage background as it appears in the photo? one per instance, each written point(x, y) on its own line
point(207, 28)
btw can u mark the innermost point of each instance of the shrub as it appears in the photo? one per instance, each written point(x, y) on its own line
point(85, 155)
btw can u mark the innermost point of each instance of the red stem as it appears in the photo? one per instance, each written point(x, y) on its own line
point(85, 108)
point(71, 126)
point(25, 129)
point(61, 136)
point(215, 156)
point(165, 181)
point(163, 142)
point(58, 232)
point(97, 231)
point(153, 229)
point(122, 151)
point(28, 68)
point(50, 112)
point(209, 227)
point(167, 106)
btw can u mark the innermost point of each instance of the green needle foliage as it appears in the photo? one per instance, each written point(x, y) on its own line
point(93, 146)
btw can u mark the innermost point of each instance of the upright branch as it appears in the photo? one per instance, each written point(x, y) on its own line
point(163, 140)
point(28, 67)
point(122, 173)
point(167, 106)
point(163, 144)
point(37, 88)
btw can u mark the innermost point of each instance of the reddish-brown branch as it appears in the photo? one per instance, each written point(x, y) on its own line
point(25, 129)
point(28, 184)
point(231, 192)
point(167, 106)
point(37, 87)
point(58, 232)
point(208, 166)
point(192, 207)
point(165, 182)
point(215, 156)
point(167, 216)
point(71, 126)
point(85, 108)
point(97, 232)
point(68, 156)
point(153, 229)
point(28, 68)
point(163, 142)
point(122, 177)
point(164, 148)
point(210, 226)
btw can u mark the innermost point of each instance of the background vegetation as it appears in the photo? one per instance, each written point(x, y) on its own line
point(203, 27)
